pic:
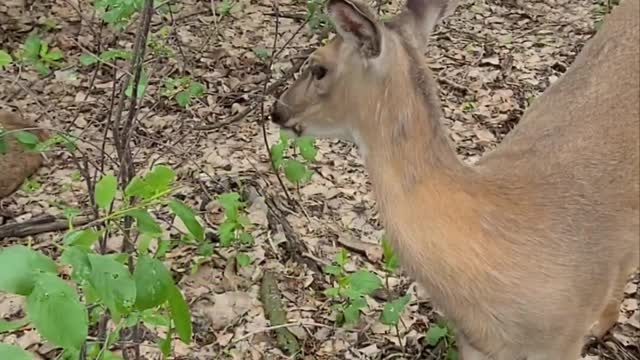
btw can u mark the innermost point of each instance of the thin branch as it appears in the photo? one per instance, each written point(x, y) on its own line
point(264, 96)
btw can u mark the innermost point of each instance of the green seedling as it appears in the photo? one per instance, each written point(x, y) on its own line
point(183, 90)
point(36, 52)
point(350, 290)
point(295, 170)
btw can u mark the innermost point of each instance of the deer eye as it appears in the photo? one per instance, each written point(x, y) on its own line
point(318, 71)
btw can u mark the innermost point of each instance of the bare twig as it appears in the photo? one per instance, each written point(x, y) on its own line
point(264, 95)
point(123, 131)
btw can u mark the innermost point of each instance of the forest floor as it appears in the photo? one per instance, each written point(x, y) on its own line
point(491, 59)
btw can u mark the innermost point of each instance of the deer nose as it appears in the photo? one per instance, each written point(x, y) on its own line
point(278, 115)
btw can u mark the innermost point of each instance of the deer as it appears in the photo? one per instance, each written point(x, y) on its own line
point(17, 163)
point(527, 251)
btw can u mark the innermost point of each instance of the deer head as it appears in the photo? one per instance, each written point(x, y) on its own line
point(368, 61)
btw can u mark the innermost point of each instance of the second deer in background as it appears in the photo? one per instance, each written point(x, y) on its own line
point(528, 251)
point(17, 163)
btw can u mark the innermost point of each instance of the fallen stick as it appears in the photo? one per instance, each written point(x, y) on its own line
point(39, 225)
point(274, 311)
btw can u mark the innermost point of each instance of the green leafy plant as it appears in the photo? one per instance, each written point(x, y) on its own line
point(36, 52)
point(233, 230)
point(183, 89)
point(441, 332)
point(118, 13)
point(294, 169)
point(317, 17)
point(393, 309)
point(157, 43)
point(224, 7)
point(31, 185)
point(261, 53)
point(350, 289)
point(389, 258)
point(103, 282)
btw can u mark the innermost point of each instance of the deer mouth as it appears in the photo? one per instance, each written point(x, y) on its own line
point(295, 129)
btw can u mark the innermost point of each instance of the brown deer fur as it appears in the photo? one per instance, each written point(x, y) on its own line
point(529, 248)
point(17, 163)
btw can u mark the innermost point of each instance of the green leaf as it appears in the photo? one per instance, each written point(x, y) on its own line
point(277, 154)
point(333, 270)
point(145, 222)
point(183, 98)
point(143, 243)
point(352, 311)
point(78, 258)
point(32, 47)
point(180, 314)
point(452, 354)
point(435, 334)
point(342, 257)
point(196, 89)
point(71, 213)
point(41, 68)
point(160, 178)
point(332, 292)
point(137, 187)
point(84, 238)
point(261, 53)
point(188, 217)
point(284, 137)
point(153, 318)
point(44, 48)
point(165, 344)
point(307, 147)
point(364, 282)
point(153, 281)
point(243, 221)
point(390, 259)
point(163, 247)
point(246, 238)
point(108, 355)
point(113, 284)
point(5, 59)
point(106, 191)
point(295, 171)
point(10, 326)
point(230, 201)
point(142, 85)
point(19, 266)
point(393, 309)
point(54, 55)
point(243, 259)
point(226, 233)
point(13, 352)
point(27, 139)
point(351, 293)
point(88, 59)
point(56, 312)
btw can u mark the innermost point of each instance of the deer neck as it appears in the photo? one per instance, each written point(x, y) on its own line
point(432, 205)
point(408, 142)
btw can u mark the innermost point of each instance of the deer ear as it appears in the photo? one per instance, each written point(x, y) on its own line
point(422, 16)
point(356, 25)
